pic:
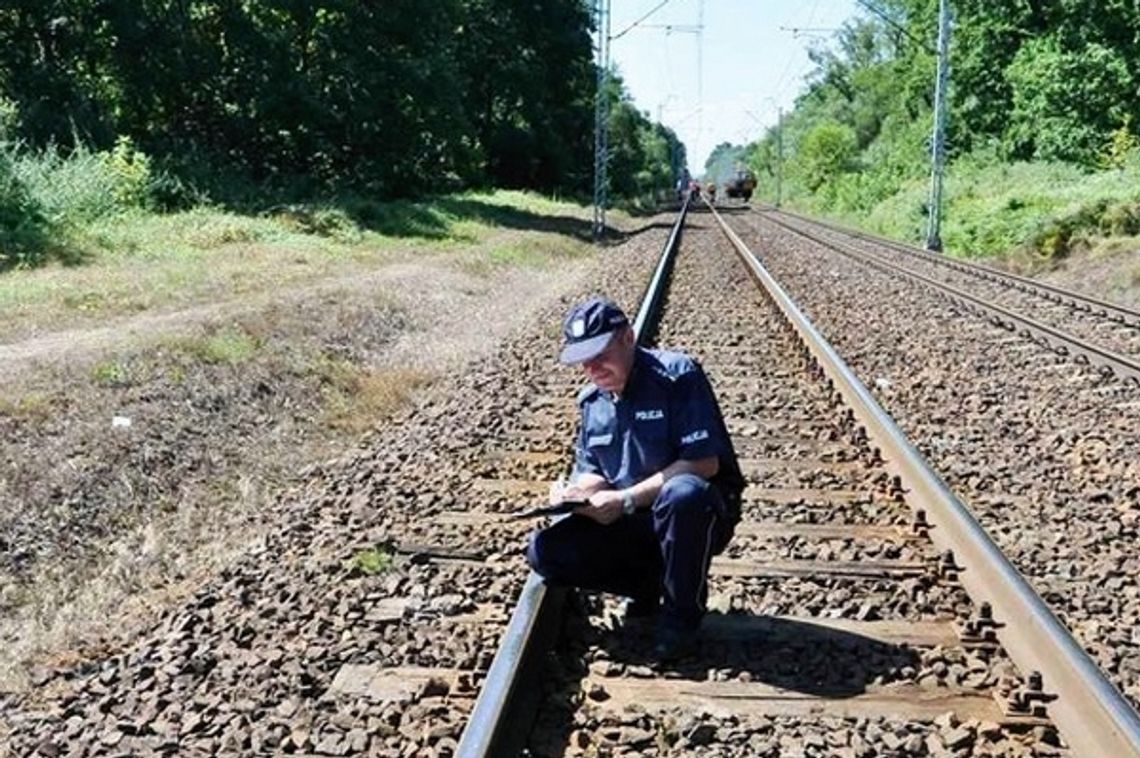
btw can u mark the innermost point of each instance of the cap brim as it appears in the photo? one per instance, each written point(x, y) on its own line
point(578, 352)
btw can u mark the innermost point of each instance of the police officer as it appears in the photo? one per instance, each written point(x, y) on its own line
point(656, 466)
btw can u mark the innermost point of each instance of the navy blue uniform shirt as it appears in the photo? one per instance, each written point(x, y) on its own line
point(665, 413)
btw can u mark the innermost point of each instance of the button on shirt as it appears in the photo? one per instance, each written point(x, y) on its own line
point(665, 413)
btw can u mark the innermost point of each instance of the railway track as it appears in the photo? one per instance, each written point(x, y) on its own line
point(841, 629)
point(1103, 333)
point(376, 620)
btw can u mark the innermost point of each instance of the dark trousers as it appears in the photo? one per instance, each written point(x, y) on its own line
point(662, 553)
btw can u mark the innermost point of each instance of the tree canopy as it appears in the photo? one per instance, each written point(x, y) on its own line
point(1029, 81)
point(395, 98)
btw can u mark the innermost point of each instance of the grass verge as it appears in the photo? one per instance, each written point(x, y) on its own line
point(138, 262)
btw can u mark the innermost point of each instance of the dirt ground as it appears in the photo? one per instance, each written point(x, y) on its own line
point(1108, 269)
point(140, 456)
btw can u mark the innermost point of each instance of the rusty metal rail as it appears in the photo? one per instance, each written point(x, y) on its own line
point(1061, 341)
point(1090, 713)
point(505, 708)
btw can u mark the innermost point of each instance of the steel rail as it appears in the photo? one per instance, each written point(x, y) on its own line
point(1113, 311)
point(1061, 341)
point(500, 721)
point(1090, 713)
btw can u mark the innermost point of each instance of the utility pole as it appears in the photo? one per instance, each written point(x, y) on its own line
point(700, 69)
point(938, 142)
point(602, 119)
point(779, 154)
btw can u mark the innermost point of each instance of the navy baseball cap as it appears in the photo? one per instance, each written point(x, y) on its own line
point(589, 328)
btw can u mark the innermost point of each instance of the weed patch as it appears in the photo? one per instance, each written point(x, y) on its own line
point(31, 407)
point(374, 560)
point(229, 346)
point(355, 398)
point(332, 223)
point(112, 374)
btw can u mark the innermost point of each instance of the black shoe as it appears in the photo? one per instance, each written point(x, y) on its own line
point(642, 608)
point(674, 644)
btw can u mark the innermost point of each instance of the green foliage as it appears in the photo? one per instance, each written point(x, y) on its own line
point(1122, 146)
point(111, 374)
point(392, 98)
point(84, 185)
point(1065, 100)
point(1042, 209)
point(645, 157)
point(825, 153)
point(1049, 86)
point(375, 560)
point(9, 120)
point(229, 346)
point(130, 173)
point(24, 229)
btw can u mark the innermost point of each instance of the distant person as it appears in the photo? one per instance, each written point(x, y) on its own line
point(657, 467)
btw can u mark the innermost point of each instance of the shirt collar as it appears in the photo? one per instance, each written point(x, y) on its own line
point(640, 355)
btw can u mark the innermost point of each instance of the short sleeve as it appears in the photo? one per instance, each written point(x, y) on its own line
point(698, 427)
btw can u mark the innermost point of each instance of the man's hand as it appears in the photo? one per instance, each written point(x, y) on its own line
point(604, 507)
point(561, 491)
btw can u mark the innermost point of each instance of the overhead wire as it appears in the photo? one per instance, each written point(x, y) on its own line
point(639, 21)
point(894, 24)
point(779, 88)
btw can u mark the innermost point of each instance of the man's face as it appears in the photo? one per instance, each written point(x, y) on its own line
point(610, 368)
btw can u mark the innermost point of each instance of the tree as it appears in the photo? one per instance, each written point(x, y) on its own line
point(826, 152)
point(1065, 101)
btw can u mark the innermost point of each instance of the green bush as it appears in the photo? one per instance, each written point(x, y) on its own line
point(24, 229)
point(84, 185)
point(130, 173)
point(826, 152)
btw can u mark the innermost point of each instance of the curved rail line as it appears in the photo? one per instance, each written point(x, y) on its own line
point(1091, 715)
point(1059, 340)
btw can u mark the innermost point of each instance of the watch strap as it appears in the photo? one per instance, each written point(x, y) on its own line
point(628, 506)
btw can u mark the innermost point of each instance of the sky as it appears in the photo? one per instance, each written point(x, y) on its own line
point(749, 65)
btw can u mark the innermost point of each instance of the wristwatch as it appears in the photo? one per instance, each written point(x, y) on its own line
point(627, 504)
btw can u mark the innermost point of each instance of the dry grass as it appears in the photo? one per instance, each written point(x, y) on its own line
point(1108, 268)
point(31, 406)
point(148, 263)
point(60, 619)
point(356, 398)
point(340, 354)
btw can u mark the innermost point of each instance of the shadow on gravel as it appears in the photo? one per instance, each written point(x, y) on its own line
point(794, 655)
point(768, 657)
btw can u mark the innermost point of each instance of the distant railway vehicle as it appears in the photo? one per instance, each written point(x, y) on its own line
point(741, 184)
point(710, 189)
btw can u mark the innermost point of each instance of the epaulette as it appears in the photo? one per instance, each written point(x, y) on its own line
point(587, 392)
